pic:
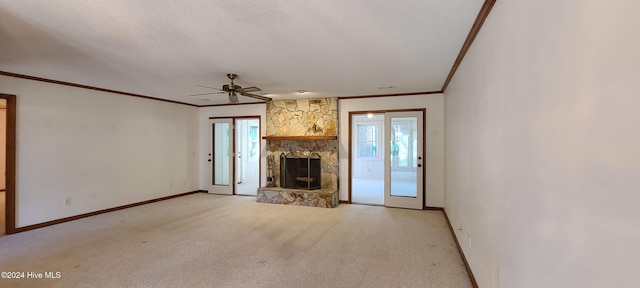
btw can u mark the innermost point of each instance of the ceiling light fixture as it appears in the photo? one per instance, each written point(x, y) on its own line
point(387, 87)
point(301, 91)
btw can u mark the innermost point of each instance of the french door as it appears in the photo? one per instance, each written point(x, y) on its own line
point(403, 163)
point(221, 156)
point(386, 158)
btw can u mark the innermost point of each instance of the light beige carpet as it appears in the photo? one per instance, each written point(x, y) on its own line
point(206, 240)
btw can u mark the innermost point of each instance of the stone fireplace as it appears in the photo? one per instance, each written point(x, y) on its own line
point(303, 145)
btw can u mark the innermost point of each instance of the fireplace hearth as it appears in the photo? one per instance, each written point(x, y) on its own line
point(299, 171)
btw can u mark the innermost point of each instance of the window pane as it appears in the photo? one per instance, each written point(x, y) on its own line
point(367, 140)
point(221, 150)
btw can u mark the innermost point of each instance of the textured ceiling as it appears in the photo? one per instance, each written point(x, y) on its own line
point(163, 49)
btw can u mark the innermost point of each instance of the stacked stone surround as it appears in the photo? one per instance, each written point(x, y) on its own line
point(328, 150)
point(305, 117)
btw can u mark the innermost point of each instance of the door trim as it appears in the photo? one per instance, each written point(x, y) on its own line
point(10, 165)
point(350, 147)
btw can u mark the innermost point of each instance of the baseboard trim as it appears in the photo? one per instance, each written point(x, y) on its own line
point(76, 217)
point(464, 258)
point(344, 202)
point(434, 208)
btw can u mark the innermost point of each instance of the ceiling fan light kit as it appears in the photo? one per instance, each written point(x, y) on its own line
point(232, 90)
point(233, 97)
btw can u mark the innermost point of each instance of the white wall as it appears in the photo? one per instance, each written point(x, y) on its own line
point(205, 135)
point(543, 146)
point(434, 134)
point(100, 149)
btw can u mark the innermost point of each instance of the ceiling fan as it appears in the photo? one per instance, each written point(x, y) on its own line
point(233, 91)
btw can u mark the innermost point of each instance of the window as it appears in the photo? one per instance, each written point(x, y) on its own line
point(367, 140)
point(253, 141)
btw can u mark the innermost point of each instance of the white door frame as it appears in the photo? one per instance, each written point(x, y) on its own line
point(218, 157)
point(395, 200)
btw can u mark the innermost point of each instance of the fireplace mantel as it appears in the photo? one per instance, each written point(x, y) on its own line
point(300, 138)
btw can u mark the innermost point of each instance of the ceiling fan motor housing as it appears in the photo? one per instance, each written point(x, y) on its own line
point(231, 87)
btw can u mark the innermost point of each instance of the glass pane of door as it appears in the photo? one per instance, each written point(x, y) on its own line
point(403, 173)
point(221, 151)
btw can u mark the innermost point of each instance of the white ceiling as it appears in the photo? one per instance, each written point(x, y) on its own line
point(163, 48)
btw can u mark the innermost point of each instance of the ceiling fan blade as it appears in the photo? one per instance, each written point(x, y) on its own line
point(233, 97)
point(263, 98)
point(202, 94)
point(208, 87)
point(251, 89)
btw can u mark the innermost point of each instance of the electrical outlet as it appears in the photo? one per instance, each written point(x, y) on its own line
point(67, 201)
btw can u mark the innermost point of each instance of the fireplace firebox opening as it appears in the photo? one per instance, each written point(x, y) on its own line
point(300, 171)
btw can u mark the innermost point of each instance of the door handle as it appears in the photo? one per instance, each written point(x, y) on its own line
point(419, 165)
point(209, 160)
